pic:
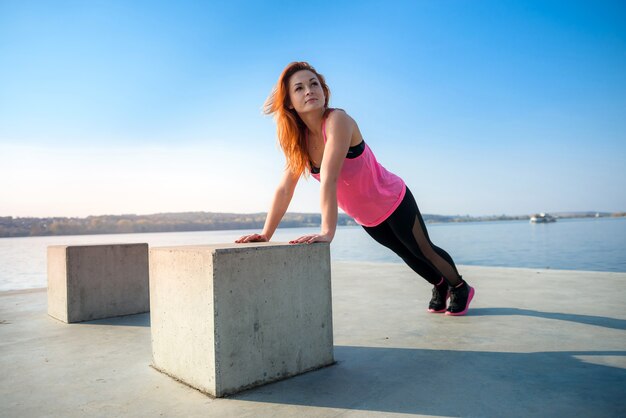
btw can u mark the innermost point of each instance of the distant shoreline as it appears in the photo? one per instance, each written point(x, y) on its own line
point(211, 221)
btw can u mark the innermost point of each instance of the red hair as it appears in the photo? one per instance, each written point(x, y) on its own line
point(290, 128)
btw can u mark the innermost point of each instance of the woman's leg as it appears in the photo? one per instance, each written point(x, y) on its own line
point(404, 233)
point(407, 224)
point(385, 236)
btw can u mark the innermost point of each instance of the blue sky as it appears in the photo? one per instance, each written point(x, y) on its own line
point(483, 107)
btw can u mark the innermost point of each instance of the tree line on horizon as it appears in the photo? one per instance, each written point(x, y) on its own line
point(163, 222)
point(199, 221)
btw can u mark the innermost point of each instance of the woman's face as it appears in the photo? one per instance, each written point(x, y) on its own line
point(305, 92)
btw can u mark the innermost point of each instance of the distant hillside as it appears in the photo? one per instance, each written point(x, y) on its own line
point(162, 222)
point(202, 221)
point(587, 214)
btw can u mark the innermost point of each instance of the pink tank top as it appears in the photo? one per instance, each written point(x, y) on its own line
point(366, 191)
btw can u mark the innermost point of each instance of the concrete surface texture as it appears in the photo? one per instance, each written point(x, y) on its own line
point(229, 317)
point(536, 343)
point(97, 281)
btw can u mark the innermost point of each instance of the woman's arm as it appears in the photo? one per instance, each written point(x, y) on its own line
point(339, 128)
point(280, 203)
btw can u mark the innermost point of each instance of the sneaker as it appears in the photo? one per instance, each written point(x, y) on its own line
point(440, 297)
point(460, 298)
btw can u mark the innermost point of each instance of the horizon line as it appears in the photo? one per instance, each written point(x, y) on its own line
point(302, 213)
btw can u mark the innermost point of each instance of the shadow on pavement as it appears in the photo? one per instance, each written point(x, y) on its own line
point(137, 320)
point(600, 321)
point(457, 383)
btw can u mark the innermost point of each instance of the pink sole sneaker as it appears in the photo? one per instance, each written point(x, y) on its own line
point(440, 310)
point(464, 311)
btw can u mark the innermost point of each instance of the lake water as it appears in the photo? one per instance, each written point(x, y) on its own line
point(570, 244)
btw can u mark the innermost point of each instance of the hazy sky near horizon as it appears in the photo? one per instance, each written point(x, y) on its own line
point(483, 107)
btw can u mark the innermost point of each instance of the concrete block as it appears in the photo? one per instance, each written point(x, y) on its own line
point(97, 281)
point(225, 318)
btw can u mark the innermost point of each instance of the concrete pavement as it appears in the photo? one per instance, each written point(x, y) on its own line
point(540, 343)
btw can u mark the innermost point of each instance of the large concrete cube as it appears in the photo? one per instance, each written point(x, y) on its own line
point(97, 281)
point(229, 317)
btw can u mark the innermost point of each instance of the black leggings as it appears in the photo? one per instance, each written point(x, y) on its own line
point(404, 233)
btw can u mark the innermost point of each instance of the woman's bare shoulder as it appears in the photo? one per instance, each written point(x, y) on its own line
point(339, 117)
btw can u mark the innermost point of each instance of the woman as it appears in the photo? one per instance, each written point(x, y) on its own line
point(328, 144)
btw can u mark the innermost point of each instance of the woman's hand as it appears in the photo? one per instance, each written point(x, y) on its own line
point(252, 238)
point(310, 239)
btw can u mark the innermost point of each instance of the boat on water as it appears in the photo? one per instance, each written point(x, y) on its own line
point(540, 218)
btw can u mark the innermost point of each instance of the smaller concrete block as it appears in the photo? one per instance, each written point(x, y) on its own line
point(97, 281)
point(225, 318)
